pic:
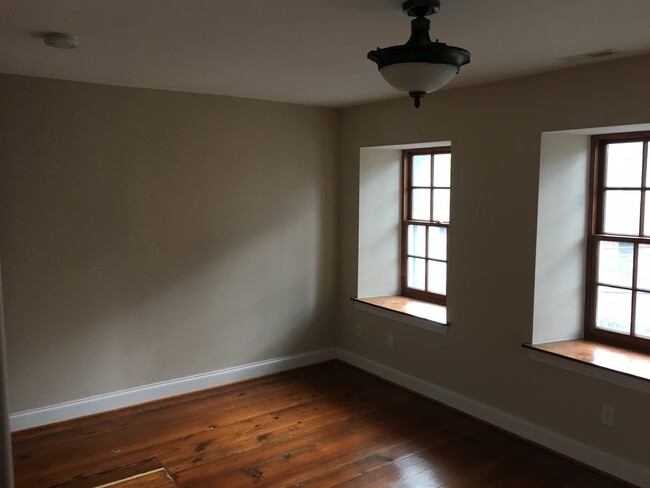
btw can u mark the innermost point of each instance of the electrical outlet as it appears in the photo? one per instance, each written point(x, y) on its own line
point(607, 415)
point(389, 341)
point(357, 328)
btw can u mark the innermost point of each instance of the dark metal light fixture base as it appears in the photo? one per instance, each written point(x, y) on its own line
point(421, 8)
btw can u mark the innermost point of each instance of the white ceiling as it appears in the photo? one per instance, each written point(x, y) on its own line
point(302, 51)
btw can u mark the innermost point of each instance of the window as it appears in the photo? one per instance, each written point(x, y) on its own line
point(425, 223)
point(618, 262)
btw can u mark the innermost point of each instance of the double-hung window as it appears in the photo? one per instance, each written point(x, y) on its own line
point(425, 223)
point(618, 261)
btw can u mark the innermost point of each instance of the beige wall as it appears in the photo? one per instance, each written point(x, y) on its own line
point(495, 131)
point(562, 204)
point(150, 235)
point(379, 221)
point(6, 464)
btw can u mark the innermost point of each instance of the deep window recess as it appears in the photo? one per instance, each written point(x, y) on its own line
point(425, 223)
point(618, 260)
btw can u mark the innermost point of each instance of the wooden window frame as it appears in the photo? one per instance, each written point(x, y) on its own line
point(406, 221)
point(596, 234)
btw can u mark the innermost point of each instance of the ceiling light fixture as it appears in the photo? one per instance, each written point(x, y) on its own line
point(420, 66)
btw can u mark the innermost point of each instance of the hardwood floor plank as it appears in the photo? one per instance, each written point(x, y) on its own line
point(288, 447)
point(535, 471)
point(344, 408)
point(336, 451)
point(495, 470)
point(317, 427)
point(379, 458)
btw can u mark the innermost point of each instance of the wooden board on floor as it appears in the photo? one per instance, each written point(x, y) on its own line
point(148, 473)
point(156, 479)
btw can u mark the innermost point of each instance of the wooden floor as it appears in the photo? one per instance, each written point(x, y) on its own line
point(322, 426)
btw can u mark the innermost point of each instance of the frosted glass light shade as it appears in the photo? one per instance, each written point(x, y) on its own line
point(418, 77)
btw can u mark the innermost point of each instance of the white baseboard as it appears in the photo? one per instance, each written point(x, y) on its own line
point(164, 389)
point(581, 452)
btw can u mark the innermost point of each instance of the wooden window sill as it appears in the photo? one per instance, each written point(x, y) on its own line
point(601, 361)
point(410, 311)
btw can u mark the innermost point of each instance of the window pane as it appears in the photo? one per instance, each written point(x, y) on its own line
point(642, 320)
point(613, 309)
point(437, 277)
point(624, 162)
point(622, 212)
point(647, 174)
point(646, 215)
point(417, 240)
point(643, 267)
point(421, 205)
point(441, 205)
point(422, 170)
point(442, 170)
point(615, 263)
point(438, 243)
point(415, 273)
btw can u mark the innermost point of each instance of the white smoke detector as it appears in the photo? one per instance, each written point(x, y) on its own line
point(60, 40)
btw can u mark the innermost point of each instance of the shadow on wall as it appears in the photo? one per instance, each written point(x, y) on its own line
point(150, 235)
